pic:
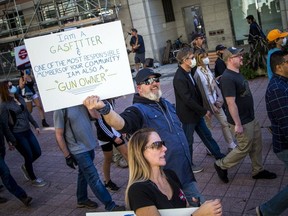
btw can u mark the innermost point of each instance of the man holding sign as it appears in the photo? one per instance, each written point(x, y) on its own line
point(151, 110)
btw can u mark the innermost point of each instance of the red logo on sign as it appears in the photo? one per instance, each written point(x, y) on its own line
point(23, 54)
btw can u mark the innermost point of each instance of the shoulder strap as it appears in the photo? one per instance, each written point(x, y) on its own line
point(66, 120)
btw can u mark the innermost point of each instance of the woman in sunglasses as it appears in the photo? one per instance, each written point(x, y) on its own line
point(150, 187)
point(19, 124)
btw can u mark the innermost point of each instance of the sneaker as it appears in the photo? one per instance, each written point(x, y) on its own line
point(222, 174)
point(122, 163)
point(265, 174)
point(111, 186)
point(25, 173)
point(44, 123)
point(26, 200)
point(208, 152)
point(3, 200)
point(258, 211)
point(119, 208)
point(87, 204)
point(39, 182)
point(269, 129)
point(197, 169)
point(231, 146)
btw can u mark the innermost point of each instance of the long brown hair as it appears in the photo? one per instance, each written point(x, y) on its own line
point(4, 91)
point(199, 55)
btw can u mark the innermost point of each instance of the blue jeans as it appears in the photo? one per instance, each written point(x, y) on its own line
point(191, 190)
point(88, 175)
point(279, 203)
point(29, 148)
point(9, 182)
point(205, 135)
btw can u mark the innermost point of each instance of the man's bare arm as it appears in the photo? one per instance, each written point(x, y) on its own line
point(59, 132)
point(233, 110)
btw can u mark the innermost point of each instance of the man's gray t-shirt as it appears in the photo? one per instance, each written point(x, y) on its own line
point(79, 134)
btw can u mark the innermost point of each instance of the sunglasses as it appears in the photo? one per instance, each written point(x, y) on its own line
point(156, 145)
point(202, 38)
point(150, 81)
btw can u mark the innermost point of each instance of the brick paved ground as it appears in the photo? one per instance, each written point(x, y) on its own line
point(58, 198)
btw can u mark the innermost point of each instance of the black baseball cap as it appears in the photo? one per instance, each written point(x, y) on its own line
point(220, 47)
point(144, 74)
point(230, 51)
point(196, 35)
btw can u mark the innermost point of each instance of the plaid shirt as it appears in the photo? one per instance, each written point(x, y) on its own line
point(277, 108)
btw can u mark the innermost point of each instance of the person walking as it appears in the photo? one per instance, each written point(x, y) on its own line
point(276, 104)
point(27, 91)
point(240, 116)
point(212, 97)
point(220, 65)
point(109, 137)
point(74, 135)
point(149, 109)
point(6, 177)
point(19, 124)
point(276, 41)
point(189, 106)
point(138, 47)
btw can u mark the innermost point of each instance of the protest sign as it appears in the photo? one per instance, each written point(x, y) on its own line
point(69, 66)
point(21, 57)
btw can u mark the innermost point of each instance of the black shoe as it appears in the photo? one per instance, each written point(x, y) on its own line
point(265, 174)
point(44, 123)
point(258, 211)
point(3, 200)
point(111, 186)
point(26, 200)
point(221, 173)
point(119, 208)
point(87, 204)
point(2, 188)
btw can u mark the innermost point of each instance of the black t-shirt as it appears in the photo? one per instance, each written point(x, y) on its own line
point(143, 194)
point(233, 84)
point(220, 67)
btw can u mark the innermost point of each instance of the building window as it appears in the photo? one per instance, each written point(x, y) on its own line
point(168, 10)
point(266, 12)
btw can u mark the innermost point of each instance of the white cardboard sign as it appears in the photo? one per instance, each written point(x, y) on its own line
point(163, 212)
point(69, 66)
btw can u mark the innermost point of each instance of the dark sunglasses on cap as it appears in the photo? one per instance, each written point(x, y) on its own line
point(156, 145)
point(149, 81)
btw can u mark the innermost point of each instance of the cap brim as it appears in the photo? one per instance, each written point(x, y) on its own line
point(146, 77)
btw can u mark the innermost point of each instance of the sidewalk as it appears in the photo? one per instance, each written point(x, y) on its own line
point(240, 195)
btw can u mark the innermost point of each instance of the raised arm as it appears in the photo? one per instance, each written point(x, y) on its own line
point(95, 105)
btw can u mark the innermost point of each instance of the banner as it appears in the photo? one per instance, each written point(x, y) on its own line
point(69, 66)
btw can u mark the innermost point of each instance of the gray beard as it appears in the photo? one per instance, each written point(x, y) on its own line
point(152, 96)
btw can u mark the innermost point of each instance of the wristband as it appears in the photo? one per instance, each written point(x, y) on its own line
point(106, 109)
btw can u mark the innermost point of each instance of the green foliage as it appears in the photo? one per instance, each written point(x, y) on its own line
point(246, 69)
